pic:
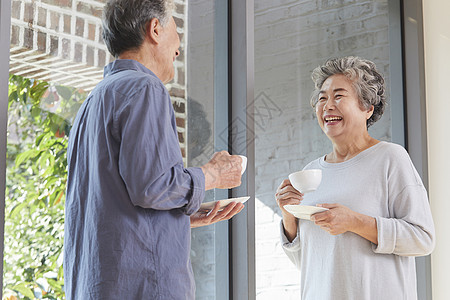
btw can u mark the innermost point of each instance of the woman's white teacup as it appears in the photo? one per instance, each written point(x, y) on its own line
point(244, 163)
point(307, 180)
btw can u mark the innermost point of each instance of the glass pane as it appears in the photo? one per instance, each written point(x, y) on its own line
point(201, 131)
point(291, 39)
point(57, 58)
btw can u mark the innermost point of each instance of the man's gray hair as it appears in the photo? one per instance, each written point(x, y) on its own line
point(367, 81)
point(125, 22)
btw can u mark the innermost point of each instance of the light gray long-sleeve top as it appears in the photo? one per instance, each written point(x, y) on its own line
point(380, 182)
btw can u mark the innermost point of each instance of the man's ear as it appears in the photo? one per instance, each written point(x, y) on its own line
point(154, 30)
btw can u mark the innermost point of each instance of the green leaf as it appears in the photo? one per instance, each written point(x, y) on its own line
point(55, 284)
point(38, 90)
point(17, 209)
point(61, 154)
point(39, 139)
point(46, 162)
point(13, 96)
point(35, 111)
point(24, 290)
point(57, 199)
point(26, 155)
point(50, 180)
point(61, 273)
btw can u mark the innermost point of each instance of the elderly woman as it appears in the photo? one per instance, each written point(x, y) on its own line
point(379, 218)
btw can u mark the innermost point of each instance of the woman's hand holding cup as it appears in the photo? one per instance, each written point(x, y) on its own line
point(287, 194)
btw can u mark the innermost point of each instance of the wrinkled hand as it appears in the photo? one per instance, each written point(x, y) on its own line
point(202, 218)
point(338, 219)
point(223, 171)
point(287, 194)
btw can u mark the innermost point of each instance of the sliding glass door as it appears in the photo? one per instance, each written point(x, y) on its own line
point(291, 39)
point(207, 132)
point(56, 58)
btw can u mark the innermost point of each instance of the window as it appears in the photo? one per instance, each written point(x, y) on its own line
point(56, 58)
point(291, 39)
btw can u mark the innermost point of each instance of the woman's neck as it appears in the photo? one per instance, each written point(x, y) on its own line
point(345, 150)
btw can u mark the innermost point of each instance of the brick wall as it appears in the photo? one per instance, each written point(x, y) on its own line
point(60, 41)
point(291, 39)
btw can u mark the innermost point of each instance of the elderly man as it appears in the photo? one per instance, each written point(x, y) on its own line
point(130, 202)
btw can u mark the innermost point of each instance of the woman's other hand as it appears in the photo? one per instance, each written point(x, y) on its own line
point(339, 219)
point(287, 194)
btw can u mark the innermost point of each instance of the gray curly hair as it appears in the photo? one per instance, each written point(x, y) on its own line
point(367, 81)
point(125, 21)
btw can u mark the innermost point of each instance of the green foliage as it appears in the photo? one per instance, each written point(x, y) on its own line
point(39, 120)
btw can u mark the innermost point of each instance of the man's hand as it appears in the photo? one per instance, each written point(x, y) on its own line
point(199, 219)
point(223, 171)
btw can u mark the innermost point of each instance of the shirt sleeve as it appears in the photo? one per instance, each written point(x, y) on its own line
point(409, 229)
point(292, 249)
point(150, 160)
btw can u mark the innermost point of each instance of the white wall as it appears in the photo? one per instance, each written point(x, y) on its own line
point(437, 77)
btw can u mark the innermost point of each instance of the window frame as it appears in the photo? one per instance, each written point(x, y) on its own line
point(221, 112)
point(243, 265)
point(5, 24)
point(415, 110)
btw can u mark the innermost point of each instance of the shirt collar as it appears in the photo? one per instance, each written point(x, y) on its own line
point(125, 64)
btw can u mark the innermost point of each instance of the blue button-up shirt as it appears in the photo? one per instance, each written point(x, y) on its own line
point(127, 229)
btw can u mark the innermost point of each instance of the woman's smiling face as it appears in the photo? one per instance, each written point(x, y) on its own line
point(338, 109)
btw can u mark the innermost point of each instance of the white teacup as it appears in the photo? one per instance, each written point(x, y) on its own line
point(307, 180)
point(244, 163)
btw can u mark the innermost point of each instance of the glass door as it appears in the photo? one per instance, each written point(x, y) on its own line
point(56, 58)
point(207, 132)
point(291, 39)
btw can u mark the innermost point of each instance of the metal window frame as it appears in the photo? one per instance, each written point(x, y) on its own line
point(415, 110)
point(242, 226)
point(408, 72)
point(221, 122)
point(5, 24)
point(396, 93)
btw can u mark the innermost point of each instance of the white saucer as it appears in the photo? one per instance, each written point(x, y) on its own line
point(304, 211)
point(223, 203)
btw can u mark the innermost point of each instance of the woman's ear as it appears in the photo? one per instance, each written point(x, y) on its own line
point(154, 30)
point(369, 112)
